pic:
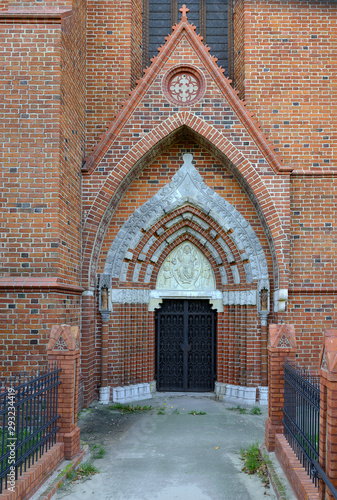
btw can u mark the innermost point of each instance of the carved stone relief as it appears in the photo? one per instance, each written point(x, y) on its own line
point(186, 268)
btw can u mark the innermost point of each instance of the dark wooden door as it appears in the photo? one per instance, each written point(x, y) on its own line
point(185, 346)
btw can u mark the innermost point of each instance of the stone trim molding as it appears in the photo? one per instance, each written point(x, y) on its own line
point(129, 296)
point(280, 300)
point(155, 297)
point(245, 297)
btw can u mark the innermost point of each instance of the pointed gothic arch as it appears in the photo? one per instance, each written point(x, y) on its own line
point(186, 186)
point(149, 147)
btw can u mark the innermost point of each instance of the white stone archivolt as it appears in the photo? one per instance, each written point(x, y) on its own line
point(188, 187)
point(186, 268)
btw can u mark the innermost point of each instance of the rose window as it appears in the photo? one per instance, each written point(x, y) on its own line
point(184, 88)
point(184, 85)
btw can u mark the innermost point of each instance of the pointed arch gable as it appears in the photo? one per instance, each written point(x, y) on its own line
point(184, 28)
point(148, 147)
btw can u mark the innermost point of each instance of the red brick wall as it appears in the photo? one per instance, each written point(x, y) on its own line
point(136, 42)
point(109, 67)
point(27, 319)
point(313, 301)
point(288, 70)
point(30, 157)
point(44, 130)
point(290, 63)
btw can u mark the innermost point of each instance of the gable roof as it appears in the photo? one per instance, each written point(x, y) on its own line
point(184, 29)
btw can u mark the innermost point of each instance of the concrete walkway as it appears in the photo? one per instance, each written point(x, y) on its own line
point(175, 455)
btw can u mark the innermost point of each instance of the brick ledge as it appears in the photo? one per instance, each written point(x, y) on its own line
point(297, 476)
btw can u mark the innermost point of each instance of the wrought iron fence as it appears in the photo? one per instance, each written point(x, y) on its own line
point(28, 420)
point(301, 415)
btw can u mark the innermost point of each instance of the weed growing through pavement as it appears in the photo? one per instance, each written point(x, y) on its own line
point(84, 471)
point(255, 411)
point(238, 409)
point(98, 451)
point(243, 411)
point(196, 412)
point(161, 410)
point(254, 463)
point(130, 408)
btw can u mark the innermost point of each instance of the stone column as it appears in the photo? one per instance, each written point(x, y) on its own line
point(282, 345)
point(328, 411)
point(64, 348)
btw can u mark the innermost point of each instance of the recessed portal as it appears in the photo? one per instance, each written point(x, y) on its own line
point(185, 346)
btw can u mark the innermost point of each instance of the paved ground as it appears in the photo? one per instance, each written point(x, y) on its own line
point(150, 456)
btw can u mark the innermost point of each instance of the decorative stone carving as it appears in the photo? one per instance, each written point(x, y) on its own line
point(129, 296)
point(186, 268)
point(183, 85)
point(244, 297)
point(284, 342)
point(187, 186)
point(264, 300)
point(104, 298)
point(60, 345)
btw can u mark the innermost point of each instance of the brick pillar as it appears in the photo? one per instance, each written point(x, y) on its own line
point(64, 347)
point(264, 348)
point(88, 362)
point(328, 411)
point(104, 391)
point(282, 345)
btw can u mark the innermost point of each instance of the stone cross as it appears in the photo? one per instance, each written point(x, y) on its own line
point(184, 11)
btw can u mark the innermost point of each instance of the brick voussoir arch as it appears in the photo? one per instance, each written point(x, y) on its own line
point(226, 251)
point(103, 204)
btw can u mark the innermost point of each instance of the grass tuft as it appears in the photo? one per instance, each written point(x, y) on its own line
point(130, 408)
point(254, 463)
point(98, 451)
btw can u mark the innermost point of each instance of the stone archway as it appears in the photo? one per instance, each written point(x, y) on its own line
point(187, 243)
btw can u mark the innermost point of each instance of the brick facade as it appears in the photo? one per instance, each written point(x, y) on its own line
point(81, 155)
